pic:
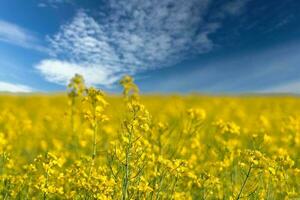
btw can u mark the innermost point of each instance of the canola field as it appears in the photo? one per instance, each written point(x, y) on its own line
point(88, 145)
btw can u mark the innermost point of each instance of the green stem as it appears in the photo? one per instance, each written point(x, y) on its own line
point(95, 142)
point(95, 130)
point(244, 183)
point(46, 185)
point(74, 136)
point(127, 169)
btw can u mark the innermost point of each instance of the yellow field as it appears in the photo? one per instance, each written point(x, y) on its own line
point(90, 146)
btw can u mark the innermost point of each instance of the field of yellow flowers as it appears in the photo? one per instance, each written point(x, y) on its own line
point(86, 145)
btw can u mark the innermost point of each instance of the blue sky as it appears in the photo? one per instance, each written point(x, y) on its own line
point(211, 46)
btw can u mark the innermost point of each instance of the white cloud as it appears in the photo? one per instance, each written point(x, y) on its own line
point(61, 72)
point(132, 37)
point(16, 35)
point(11, 87)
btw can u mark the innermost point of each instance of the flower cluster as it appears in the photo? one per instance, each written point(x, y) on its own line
point(88, 145)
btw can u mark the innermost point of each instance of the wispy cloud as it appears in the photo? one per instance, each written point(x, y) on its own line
point(16, 35)
point(11, 87)
point(235, 7)
point(290, 87)
point(52, 3)
point(272, 70)
point(132, 37)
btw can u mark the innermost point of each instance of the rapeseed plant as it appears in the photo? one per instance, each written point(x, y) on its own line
point(87, 145)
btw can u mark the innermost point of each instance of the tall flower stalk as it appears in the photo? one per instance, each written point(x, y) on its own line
point(76, 88)
point(135, 124)
point(94, 114)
